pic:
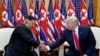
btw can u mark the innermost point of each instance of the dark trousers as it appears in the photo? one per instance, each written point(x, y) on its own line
point(11, 51)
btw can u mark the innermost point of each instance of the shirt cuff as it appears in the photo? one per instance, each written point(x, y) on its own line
point(85, 55)
point(48, 48)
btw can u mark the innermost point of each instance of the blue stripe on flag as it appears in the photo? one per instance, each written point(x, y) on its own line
point(63, 9)
point(51, 18)
point(77, 7)
point(24, 8)
point(37, 12)
point(90, 11)
point(43, 36)
point(11, 13)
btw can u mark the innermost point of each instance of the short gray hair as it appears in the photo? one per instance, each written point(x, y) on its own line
point(72, 19)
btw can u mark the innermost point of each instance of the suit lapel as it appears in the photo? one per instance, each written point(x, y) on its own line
point(71, 38)
point(80, 33)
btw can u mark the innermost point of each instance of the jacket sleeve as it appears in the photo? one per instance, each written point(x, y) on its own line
point(92, 42)
point(22, 33)
point(57, 43)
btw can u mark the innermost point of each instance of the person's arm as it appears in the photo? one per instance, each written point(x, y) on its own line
point(21, 32)
point(92, 42)
point(57, 43)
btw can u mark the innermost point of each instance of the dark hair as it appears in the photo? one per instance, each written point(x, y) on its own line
point(30, 17)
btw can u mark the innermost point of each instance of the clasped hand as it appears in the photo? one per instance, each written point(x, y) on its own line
point(43, 47)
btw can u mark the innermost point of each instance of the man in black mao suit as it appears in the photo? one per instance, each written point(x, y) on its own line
point(85, 36)
point(22, 40)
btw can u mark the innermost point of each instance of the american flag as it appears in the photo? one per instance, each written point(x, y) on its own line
point(24, 8)
point(11, 18)
point(31, 8)
point(71, 10)
point(43, 1)
point(4, 14)
point(64, 14)
point(83, 14)
point(32, 13)
point(43, 23)
point(37, 11)
point(18, 15)
point(50, 11)
point(57, 18)
point(73, 1)
point(51, 28)
point(77, 8)
point(90, 12)
point(37, 15)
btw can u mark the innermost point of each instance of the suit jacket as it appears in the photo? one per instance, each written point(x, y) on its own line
point(86, 38)
point(21, 42)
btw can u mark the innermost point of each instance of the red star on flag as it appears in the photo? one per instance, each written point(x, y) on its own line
point(56, 14)
point(71, 9)
point(70, 13)
point(83, 14)
point(4, 15)
point(18, 14)
point(42, 14)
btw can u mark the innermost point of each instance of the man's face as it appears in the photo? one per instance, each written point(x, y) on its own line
point(30, 24)
point(70, 25)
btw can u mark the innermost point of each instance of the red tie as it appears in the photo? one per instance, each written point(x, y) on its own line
point(76, 40)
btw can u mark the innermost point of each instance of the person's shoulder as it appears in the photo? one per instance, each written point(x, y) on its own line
point(85, 27)
point(66, 30)
point(20, 27)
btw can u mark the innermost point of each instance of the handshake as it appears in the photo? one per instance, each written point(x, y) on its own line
point(43, 47)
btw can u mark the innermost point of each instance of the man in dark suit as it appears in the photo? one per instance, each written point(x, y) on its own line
point(80, 39)
point(22, 40)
